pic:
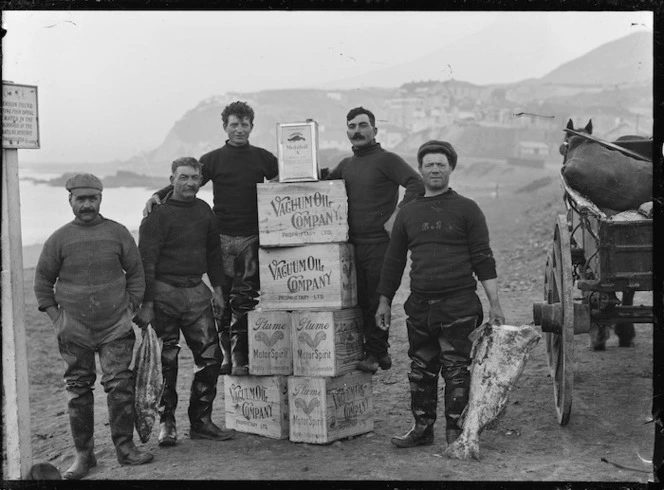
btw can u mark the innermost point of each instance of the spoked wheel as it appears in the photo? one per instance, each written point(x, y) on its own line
point(558, 284)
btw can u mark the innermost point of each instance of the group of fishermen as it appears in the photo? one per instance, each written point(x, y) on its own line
point(93, 280)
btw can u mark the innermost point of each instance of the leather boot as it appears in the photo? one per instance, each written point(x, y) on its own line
point(452, 434)
point(122, 417)
point(81, 420)
point(225, 343)
point(240, 353)
point(419, 435)
point(168, 435)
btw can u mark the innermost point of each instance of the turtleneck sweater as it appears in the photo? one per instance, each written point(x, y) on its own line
point(448, 239)
point(179, 242)
point(373, 177)
point(234, 172)
point(97, 267)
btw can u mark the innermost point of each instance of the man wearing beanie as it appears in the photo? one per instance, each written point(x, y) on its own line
point(372, 177)
point(89, 280)
point(234, 170)
point(448, 238)
point(179, 242)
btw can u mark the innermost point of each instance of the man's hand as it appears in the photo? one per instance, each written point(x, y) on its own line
point(384, 314)
point(496, 316)
point(150, 204)
point(145, 314)
point(218, 303)
point(52, 312)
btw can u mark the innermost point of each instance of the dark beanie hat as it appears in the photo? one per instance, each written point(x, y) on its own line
point(436, 146)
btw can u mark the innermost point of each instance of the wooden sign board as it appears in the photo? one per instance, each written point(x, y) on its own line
point(326, 343)
point(311, 276)
point(270, 350)
point(323, 410)
point(302, 213)
point(297, 145)
point(20, 116)
point(257, 405)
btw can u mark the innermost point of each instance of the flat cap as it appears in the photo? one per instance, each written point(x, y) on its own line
point(80, 183)
point(436, 146)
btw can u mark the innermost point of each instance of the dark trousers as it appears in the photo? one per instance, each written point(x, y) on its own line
point(188, 310)
point(241, 286)
point(368, 264)
point(438, 344)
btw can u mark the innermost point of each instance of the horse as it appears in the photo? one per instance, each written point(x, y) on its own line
point(600, 333)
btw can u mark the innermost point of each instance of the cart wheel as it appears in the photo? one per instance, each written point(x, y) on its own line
point(558, 286)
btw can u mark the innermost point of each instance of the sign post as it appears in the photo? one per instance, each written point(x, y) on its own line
point(20, 129)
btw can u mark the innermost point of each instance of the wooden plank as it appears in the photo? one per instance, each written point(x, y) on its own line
point(270, 350)
point(326, 343)
point(323, 410)
point(311, 276)
point(302, 213)
point(257, 405)
point(16, 404)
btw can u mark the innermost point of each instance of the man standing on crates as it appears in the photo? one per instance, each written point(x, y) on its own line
point(179, 242)
point(89, 280)
point(234, 170)
point(448, 238)
point(372, 177)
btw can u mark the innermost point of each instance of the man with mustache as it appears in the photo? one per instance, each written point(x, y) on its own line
point(448, 239)
point(372, 177)
point(89, 280)
point(179, 242)
point(234, 170)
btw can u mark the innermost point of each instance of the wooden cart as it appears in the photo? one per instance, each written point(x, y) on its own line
point(592, 257)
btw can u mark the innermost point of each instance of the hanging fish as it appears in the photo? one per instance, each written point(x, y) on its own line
point(149, 383)
point(499, 355)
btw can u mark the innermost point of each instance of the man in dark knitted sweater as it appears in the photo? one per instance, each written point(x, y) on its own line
point(234, 170)
point(372, 177)
point(89, 280)
point(179, 242)
point(448, 239)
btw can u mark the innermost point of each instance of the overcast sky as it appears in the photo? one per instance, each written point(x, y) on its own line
point(111, 84)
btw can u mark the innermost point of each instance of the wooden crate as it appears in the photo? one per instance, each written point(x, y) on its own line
point(302, 213)
point(323, 410)
point(310, 276)
point(326, 343)
point(270, 349)
point(257, 405)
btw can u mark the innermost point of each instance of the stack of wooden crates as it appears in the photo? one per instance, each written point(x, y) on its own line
point(305, 336)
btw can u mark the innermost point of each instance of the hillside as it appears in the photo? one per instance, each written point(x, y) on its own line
point(611, 84)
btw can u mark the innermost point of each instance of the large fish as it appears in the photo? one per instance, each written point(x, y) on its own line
point(149, 383)
point(499, 355)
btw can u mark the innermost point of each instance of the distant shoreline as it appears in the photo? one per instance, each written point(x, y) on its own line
point(122, 178)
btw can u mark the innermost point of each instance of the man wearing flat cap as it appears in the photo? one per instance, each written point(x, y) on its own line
point(89, 280)
point(448, 238)
point(372, 177)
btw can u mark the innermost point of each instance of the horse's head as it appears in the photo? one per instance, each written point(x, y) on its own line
point(570, 125)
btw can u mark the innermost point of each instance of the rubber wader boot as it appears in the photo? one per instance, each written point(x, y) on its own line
point(120, 401)
point(225, 342)
point(457, 389)
point(81, 420)
point(419, 435)
point(423, 403)
point(239, 353)
point(168, 435)
point(203, 393)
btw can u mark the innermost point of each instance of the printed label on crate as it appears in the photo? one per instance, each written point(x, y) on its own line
point(270, 349)
point(306, 212)
point(257, 404)
point(310, 276)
